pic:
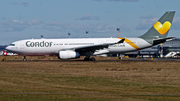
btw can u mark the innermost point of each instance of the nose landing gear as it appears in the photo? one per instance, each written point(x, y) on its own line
point(24, 58)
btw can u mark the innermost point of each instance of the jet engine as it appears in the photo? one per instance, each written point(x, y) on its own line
point(68, 54)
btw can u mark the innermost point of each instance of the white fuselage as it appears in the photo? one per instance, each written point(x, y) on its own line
point(53, 46)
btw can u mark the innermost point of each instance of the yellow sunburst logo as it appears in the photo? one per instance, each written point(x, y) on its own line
point(162, 28)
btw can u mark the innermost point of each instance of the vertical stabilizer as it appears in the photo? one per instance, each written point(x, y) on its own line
point(161, 28)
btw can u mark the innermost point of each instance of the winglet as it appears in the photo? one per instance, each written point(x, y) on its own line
point(121, 41)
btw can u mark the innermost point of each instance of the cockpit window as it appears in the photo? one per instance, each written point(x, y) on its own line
point(12, 44)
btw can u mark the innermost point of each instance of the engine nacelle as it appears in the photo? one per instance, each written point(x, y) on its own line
point(68, 54)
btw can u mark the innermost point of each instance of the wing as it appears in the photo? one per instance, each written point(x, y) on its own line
point(95, 47)
point(92, 48)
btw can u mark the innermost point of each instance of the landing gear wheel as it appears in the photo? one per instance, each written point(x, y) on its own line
point(24, 59)
point(92, 59)
point(86, 59)
point(89, 59)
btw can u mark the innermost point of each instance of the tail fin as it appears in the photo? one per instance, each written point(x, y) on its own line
point(161, 28)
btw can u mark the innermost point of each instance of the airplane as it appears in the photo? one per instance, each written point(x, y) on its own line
point(76, 47)
point(5, 53)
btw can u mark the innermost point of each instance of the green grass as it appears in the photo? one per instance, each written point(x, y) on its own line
point(91, 81)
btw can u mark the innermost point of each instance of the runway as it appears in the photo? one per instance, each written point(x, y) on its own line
point(98, 60)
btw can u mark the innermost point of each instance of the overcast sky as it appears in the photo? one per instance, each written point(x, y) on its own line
point(26, 19)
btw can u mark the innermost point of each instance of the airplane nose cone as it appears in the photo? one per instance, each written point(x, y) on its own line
point(7, 48)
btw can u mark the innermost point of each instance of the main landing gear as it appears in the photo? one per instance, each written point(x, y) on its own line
point(89, 59)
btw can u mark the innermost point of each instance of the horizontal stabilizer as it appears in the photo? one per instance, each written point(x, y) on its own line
point(158, 41)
